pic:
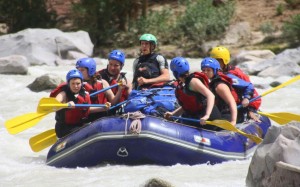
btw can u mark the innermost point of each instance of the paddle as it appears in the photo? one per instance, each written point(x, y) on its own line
point(43, 140)
point(276, 88)
point(48, 138)
point(46, 106)
point(25, 121)
point(224, 125)
point(50, 104)
point(104, 89)
point(279, 117)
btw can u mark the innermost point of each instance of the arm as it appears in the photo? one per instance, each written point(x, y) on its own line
point(61, 97)
point(164, 72)
point(246, 88)
point(224, 92)
point(165, 76)
point(197, 86)
point(113, 99)
point(176, 112)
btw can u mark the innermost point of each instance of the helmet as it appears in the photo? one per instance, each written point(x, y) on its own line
point(179, 65)
point(88, 63)
point(149, 38)
point(74, 73)
point(117, 55)
point(209, 62)
point(222, 53)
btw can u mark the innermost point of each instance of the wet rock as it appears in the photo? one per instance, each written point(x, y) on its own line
point(45, 82)
point(156, 182)
point(14, 64)
point(281, 144)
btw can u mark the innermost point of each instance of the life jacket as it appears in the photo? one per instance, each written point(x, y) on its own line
point(239, 73)
point(192, 102)
point(151, 69)
point(72, 116)
point(111, 81)
point(219, 102)
point(99, 98)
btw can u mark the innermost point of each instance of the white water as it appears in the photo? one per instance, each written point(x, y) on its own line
point(19, 166)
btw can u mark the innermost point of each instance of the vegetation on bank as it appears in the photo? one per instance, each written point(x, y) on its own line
point(115, 23)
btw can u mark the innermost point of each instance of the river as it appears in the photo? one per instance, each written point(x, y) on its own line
point(19, 166)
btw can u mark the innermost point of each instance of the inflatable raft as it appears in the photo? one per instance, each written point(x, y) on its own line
point(136, 140)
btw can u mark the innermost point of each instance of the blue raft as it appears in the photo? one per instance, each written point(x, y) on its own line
point(160, 142)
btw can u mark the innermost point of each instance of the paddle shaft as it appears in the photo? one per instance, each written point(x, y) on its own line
point(105, 89)
point(274, 89)
point(225, 125)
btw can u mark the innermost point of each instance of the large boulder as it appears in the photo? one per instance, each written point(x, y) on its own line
point(45, 46)
point(285, 63)
point(14, 64)
point(45, 82)
point(276, 160)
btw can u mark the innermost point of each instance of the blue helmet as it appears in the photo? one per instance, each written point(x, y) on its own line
point(179, 66)
point(88, 63)
point(74, 73)
point(209, 62)
point(117, 55)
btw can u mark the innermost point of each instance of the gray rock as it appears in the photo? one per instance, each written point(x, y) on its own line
point(44, 46)
point(239, 33)
point(45, 82)
point(280, 144)
point(156, 182)
point(14, 64)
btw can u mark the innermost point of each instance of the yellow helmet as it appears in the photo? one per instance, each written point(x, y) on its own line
point(222, 53)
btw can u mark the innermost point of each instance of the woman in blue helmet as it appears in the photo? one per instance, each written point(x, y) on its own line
point(150, 69)
point(221, 86)
point(87, 66)
point(70, 119)
point(193, 94)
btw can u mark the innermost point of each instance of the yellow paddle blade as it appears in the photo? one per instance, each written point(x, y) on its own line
point(281, 85)
point(228, 126)
point(23, 122)
point(43, 140)
point(281, 117)
point(287, 115)
point(50, 104)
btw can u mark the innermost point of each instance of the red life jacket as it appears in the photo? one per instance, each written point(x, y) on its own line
point(111, 81)
point(219, 102)
point(72, 116)
point(100, 98)
point(239, 73)
point(191, 102)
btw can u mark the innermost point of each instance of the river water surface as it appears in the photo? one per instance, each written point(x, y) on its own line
point(19, 166)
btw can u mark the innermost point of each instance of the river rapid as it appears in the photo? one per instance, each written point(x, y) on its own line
point(19, 166)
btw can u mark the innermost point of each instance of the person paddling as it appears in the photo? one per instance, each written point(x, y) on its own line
point(70, 119)
point(221, 86)
point(193, 94)
point(150, 69)
point(222, 55)
point(87, 66)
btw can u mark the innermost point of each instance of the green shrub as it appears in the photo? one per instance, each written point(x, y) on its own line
point(19, 15)
point(202, 21)
point(267, 28)
point(156, 23)
point(279, 9)
point(291, 30)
